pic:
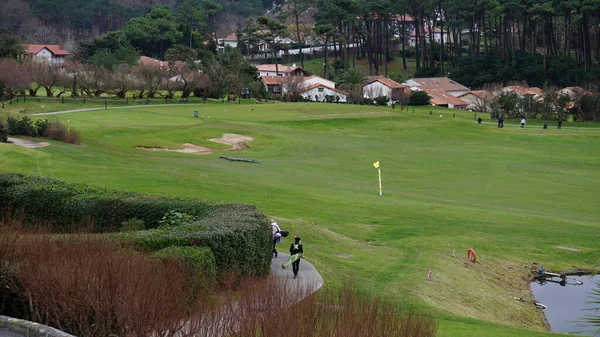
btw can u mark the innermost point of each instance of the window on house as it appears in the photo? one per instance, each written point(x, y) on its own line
point(320, 89)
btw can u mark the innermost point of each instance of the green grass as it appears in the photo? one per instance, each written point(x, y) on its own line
point(448, 184)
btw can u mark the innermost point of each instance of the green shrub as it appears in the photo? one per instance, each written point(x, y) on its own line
point(3, 133)
point(23, 126)
point(381, 100)
point(201, 259)
point(366, 101)
point(419, 98)
point(132, 225)
point(238, 235)
point(174, 218)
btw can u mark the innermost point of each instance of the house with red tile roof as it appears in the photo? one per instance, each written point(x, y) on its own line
point(312, 88)
point(574, 92)
point(52, 53)
point(479, 100)
point(281, 70)
point(154, 63)
point(319, 92)
point(444, 99)
point(228, 41)
point(376, 86)
point(531, 92)
point(438, 83)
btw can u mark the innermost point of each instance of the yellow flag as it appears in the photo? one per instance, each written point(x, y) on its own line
point(376, 164)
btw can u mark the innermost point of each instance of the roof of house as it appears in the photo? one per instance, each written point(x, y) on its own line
point(271, 80)
point(385, 81)
point(440, 83)
point(577, 90)
point(280, 67)
point(524, 91)
point(447, 98)
point(482, 94)
point(536, 91)
point(148, 61)
point(53, 48)
point(315, 76)
point(230, 37)
point(316, 85)
point(404, 18)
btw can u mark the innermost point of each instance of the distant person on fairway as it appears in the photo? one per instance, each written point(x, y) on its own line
point(276, 235)
point(523, 122)
point(296, 248)
point(500, 122)
point(559, 127)
point(479, 120)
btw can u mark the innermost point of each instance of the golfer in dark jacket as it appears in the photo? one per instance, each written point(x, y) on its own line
point(296, 248)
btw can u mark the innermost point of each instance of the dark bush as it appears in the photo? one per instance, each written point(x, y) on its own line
point(381, 100)
point(54, 130)
point(419, 98)
point(3, 133)
point(366, 101)
point(23, 126)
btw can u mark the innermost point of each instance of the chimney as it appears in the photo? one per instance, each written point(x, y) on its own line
point(294, 65)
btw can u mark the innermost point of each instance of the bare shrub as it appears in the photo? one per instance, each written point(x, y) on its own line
point(58, 131)
point(90, 286)
point(346, 312)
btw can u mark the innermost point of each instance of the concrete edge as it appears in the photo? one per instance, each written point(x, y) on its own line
point(28, 328)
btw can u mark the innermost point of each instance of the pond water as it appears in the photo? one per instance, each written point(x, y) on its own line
point(566, 303)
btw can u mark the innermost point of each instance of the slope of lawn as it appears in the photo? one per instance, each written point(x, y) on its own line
point(448, 184)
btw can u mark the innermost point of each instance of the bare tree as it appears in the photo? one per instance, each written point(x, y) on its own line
point(121, 80)
point(73, 76)
point(14, 79)
point(49, 77)
point(149, 79)
point(291, 86)
point(93, 80)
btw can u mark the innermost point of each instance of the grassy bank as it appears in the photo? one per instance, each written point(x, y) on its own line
point(448, 184)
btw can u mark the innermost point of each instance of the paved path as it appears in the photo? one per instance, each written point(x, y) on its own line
point(541, 127)
point(230, 318)
point(308, 280)
point(109, 108)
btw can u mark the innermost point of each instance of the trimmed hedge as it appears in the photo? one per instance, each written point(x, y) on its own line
point(64, 205)
point(199, 258)
point(230, 233)
point(238, 235)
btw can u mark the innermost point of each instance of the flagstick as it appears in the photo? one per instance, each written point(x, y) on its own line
point(380, 191)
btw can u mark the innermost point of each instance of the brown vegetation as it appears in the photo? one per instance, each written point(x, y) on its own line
point(90, 286)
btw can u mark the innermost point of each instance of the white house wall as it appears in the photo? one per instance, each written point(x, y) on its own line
point(320, 96)
point(376, 89)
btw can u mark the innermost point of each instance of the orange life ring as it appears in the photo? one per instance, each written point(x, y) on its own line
point(471, 255)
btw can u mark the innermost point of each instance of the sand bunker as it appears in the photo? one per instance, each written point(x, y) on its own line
point(27, 143)
point(237, 143)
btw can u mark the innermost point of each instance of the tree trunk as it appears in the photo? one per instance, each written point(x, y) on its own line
point(404, 45)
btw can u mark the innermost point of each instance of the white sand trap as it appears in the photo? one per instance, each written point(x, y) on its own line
point(237, 143)
point(27, 143)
